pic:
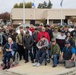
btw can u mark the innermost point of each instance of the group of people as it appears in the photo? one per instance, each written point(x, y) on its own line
point(40, 42)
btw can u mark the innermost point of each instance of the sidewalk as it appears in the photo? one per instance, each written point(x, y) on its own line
point(28, 69)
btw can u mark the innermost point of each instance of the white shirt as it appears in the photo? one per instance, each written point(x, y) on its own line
point(18, 31)
point(29, 32)
point(55, 34)
point(61, 37)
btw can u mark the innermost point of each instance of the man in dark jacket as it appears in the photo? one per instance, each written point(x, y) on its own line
point(73, 35)
point(14, 34)
point(9, 50)
point(66, 30)
point(28, 43)
point(5, 36)
point(48, 29)
point(35, 35)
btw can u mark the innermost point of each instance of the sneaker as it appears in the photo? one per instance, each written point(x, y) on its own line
point(38, 64)
point(35, 64)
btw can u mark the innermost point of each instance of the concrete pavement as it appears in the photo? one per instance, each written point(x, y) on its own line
point(28, 69)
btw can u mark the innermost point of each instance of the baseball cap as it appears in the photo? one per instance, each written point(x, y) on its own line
point(27, 26)
point(53, 39)
point(67, 42)
point(27, 32)
point(62, 31)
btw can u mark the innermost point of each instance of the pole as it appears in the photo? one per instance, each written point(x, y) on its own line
point(23, 11)
point(61, 17)
point(61, 4)
point(47, 21)
point(47, 18)
point(34, 9)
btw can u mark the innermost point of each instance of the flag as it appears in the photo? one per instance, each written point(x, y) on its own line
point(61, 3)
point(33, 5)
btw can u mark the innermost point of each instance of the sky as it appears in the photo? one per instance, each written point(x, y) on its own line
point(7, 5)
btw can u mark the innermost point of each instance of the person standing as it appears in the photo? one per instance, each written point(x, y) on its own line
point(73, 35)
point(61, 39)
point(19, 40)
point(56, 33)
point(43, 33)
point(27, 29)
point(48, 29)
point(13, 36)
point(35, 35)
point(27, 44)
point(32, 29)
point(5, 36)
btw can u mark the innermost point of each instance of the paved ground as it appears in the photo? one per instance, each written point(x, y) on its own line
point(28, 69)
point(7, 73)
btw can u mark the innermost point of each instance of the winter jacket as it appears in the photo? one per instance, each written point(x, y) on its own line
point(28, 42)
point(14, 46)
point(19, 39)
point(35, 35)
point(55, 49)
point(44, 34)
point(5, 37)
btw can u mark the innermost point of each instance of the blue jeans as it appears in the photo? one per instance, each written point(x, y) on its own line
point(55, 59)
point(7, 56)
point(42, 54)
point(48, 54)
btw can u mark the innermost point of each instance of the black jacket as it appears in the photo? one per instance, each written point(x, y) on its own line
point(5, 37)
point(28, 42)
point(35, 37)
point(50, 33)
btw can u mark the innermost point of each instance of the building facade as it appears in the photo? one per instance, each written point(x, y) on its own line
point(33, 15)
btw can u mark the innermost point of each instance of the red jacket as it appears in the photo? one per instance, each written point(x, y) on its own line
point(31, 29)
point(44, 34)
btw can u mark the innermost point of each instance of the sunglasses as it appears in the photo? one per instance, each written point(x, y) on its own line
point(53, 41)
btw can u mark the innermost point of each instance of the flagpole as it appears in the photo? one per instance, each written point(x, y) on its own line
point(61, 16)
point(34, 9)
point(47, 18)
point(61, 11)
point(23, 11)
